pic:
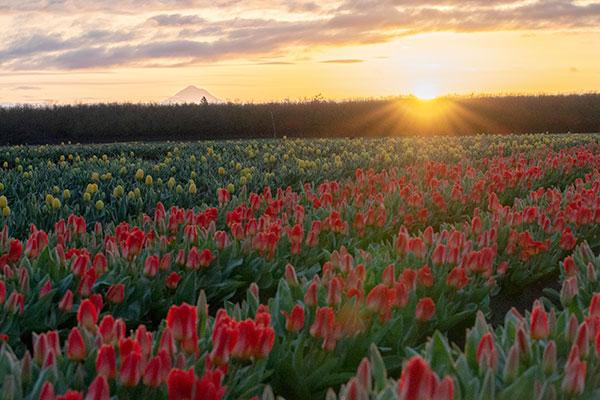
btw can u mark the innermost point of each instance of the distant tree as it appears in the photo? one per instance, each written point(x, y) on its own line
point(204, 102)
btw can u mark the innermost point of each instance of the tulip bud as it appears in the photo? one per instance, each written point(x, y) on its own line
point(87, 315)
point(486, 353)
point(295, 321)
point(254, 290)
point(47, 392)
point(172, 280)
point(106, 362)
point(444, 390)
point(355, 391)
point(511, 366)
point(363, 374)
point(151, 266)
point(425, 309)
point(76, 350)
point(116, 293)
point(569, 290)
point(591, 273)
point(539, 323)
point(583, 340)
point(549, 358)
point(130, 373)
point(98, 389)
point(573, 382)
point(416, 381)
point(334, 292)
point(524, 345)
point(153, 373)
point(572, 328)
point(595, 305)
point(290, 275)
point(66, 303)
point(310, 297)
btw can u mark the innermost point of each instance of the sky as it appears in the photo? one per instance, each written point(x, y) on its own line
point(79, 51)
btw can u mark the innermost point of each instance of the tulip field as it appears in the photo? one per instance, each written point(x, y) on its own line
point(302, 269)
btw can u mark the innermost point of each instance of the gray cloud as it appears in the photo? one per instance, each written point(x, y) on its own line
point(21, 88)
point(177, 20)
point(181, 37)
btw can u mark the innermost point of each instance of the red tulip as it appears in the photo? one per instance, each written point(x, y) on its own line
point(116, 293)
point(295, 321)
point(16, 303)
point(549, 358)
point(595, 305)
point(100, 265)
point(311, 295)
point(380, 300)
point(106, 362)
point(98, 389)
point(76, 350)
point(539, 323)
point(87, 315)
point(425, 277)
point(355, 391)
point(573, 383)
point(151, 266)
point(66, 303)
point(363, 373)
point(133, 243)
point(193, 259)
point(444, 390)
point(457, 278)
point(416, 381)
point(334, 291)
point(14, 251)
point(182, 321)
point(47, 392)
point(205, 258)
point(180, 384)
point(131, 373)
point(153, 373)
point(290, 275)
point(425, 309)
point(569, 266)
point(172, 280)
point(486, 353)
point(324, 325)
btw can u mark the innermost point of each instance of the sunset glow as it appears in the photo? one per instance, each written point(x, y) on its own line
point(72, 51)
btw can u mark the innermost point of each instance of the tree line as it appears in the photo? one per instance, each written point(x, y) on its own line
point(97, 123)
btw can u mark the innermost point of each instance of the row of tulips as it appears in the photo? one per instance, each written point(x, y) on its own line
point(190, 356)
point(179, 252)
point(551, 352)
point(110, 183)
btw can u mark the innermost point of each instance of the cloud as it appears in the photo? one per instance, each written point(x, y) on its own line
point(174, 33)
point(26, 88)
point(177, 20)
point(343, 61)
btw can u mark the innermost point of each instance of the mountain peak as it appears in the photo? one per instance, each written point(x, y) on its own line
point(191, 95)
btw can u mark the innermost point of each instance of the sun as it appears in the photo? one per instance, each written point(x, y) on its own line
point(426, 91)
